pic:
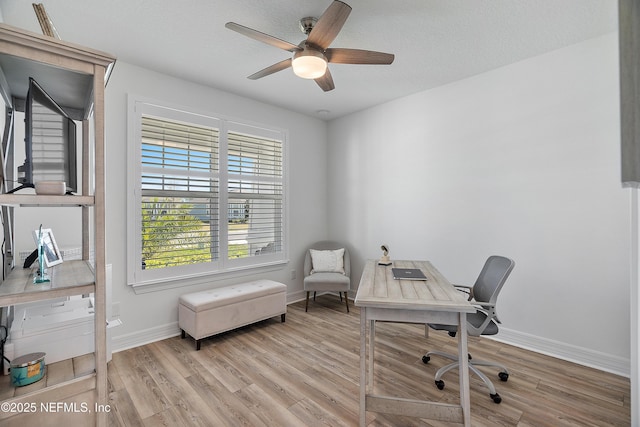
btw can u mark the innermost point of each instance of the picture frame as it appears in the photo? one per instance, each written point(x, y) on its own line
point(52, 255)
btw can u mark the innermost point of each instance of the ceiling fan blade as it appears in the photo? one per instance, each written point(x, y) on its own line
point(262, 37)
point(329, 24)
point(358, 56)
point(326, 82)
point(279, 66)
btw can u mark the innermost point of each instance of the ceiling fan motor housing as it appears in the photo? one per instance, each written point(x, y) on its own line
point(307, 23)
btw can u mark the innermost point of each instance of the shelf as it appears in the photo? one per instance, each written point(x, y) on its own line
point(41, 200)
point(61, 380)
point(66, 279)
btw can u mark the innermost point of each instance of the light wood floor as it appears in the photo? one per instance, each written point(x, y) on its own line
point(305, 372)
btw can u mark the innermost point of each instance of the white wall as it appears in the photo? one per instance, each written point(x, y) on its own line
point(154, 315)
point(521, 161)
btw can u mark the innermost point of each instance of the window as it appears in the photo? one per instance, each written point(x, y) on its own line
point(207, 195)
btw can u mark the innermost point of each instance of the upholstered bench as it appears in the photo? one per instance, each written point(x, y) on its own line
point(206, 313)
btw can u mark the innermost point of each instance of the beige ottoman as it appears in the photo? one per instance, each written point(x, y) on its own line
point(206, 313)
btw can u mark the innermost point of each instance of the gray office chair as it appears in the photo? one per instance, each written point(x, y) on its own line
point(323, 278)
point(484, 321)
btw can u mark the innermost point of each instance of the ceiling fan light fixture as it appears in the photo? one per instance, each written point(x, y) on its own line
point(309, 64)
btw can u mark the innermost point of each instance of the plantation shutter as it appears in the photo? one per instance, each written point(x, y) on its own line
point(180, 186)
point(255, 194)
point(206, 196)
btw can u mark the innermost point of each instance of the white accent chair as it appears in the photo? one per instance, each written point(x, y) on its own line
point(330, 273)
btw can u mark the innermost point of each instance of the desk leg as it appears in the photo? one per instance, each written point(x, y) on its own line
point(372, 340)
point(463, 352)
point(363, 365)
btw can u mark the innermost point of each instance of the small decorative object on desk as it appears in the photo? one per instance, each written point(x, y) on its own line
point(52, 255)
point(384, 260)
point(41, 275)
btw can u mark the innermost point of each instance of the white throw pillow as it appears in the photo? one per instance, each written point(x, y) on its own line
point(327, 261)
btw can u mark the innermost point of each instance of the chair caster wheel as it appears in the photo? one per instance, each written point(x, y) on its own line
point(496, 398)
point(425, 359)
point(440, 384)
point(503, 376)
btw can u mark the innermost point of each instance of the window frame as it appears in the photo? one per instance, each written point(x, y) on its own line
point(160, 278)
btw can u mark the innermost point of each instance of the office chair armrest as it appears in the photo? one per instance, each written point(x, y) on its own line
point(465, 289)
point(488, 309)
point(489, 312)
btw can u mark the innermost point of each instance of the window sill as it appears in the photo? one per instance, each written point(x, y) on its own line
point(186, 281)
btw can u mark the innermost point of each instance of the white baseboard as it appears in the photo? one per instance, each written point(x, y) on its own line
point(571, 353)
point(582, 356)
point(295, 296)
point(136, 339)
point(157, 333)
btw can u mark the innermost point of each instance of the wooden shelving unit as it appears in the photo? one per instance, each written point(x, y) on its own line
point(35, 200)
point(67, 279)
point(75, 76)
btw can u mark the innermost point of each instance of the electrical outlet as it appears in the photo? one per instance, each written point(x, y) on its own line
point(293, 274)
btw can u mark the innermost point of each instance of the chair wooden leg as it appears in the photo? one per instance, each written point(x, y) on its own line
point(346, 300)
point(306, 305)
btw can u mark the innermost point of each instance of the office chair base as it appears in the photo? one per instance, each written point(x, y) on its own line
point(493, 394)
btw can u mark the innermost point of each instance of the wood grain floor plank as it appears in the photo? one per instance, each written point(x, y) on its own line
point(226, 405)
point(180, 355)
point(123, 412)
point(277, 387)
point(187, 401)
point(143, 390)
point(266, 408)
point(314, 415)
point(305, 372)
point(221, 370)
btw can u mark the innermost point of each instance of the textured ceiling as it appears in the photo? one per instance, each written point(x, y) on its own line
point(435, 41)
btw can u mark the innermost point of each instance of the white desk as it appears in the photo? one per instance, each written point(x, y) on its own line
point(381, 297)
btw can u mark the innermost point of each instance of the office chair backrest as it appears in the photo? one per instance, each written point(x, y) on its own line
point(493, 275)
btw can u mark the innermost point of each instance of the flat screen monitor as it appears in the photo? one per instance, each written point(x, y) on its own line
point(50, 142)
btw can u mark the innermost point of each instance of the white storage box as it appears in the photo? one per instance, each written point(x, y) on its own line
point(61, 329)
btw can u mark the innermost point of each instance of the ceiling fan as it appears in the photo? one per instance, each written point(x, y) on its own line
point(311, 56)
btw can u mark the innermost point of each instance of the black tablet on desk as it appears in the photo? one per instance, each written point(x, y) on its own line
point(408, 274)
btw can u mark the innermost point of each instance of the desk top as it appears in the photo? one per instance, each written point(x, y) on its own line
point(379, 289)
